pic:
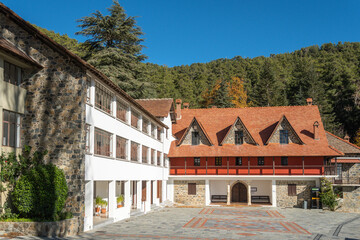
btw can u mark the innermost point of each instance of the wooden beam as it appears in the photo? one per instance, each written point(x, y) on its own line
point(273, 165)
point(303, 165)
point(185, 166)
point(248, 165)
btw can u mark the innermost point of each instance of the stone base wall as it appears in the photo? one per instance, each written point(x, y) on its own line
point(181, 193)
point(351, 200)
point(68, 227)
point(303, 193)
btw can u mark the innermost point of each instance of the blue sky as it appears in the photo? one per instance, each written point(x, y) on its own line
point(189, 31)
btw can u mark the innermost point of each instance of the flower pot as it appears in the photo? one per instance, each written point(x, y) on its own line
point(97, 209)
point(119, 205)
point(103, 210)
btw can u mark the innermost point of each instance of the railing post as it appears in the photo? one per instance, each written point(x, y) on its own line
point(228, 166)
point(185, 166)
point(273, 165)
point(303, 165)
point(248, 165)
point(206, 165)
point(335, 165)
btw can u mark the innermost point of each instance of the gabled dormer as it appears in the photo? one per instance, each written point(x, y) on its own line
point(284, 133)
point(238, 134)
point(195, 134)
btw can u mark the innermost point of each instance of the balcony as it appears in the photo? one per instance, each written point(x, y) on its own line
point(253, 170)
point(345, 181)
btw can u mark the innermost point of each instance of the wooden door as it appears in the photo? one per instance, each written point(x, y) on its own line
point(239, 193)
point(143, 197)
point(159, 190)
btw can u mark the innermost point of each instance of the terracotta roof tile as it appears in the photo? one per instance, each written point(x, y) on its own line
point(260, 122)
point(341, 144)
point(159, 107)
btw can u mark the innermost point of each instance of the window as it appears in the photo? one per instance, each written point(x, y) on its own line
point(152, 156)
point(339, 170)
point(195, 138)
point(158, 158)
point(134, 151)
point(88, 90)
point(103, 98)
point(11, 129)
point(191, 188)
point(218, 161)
point(238, 161)
point(284, 139)
point(159, 133)
point(145, 151)
point(153, 130)
point(103, 143)
point(239, 137)
point(121, 147)
point(145, 124)
point(12, 74)
point(87, 143)
point(261, 161)
point(121, 111)
point(292, 189)
point(197, 161)
point(135, 119)
point(284, 161)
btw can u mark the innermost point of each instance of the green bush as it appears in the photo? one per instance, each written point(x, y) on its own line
point(41, 193)
point(327, 195)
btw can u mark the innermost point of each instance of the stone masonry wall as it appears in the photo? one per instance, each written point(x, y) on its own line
point(284, 126)
point(351, 199)
point(54, 110)
point(188, 137)
point(230, 138)
point(303, 193)
point(181, 193)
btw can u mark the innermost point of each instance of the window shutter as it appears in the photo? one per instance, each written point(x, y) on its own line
point(191, 188)
point(292, 189)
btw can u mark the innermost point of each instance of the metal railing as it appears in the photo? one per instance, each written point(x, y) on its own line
point(345, 180)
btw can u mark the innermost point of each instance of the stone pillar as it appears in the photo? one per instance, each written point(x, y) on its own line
point(112, 199)
point(138, 194)
point(207, 192)
point(148, 197)
point(89, 205)
point(228, 193)
point(249, 194)
point(273, 193)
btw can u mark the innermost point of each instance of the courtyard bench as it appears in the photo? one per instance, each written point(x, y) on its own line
point(260, 199)
point(218, 198)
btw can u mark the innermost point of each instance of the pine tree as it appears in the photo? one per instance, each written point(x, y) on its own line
point(114, 47)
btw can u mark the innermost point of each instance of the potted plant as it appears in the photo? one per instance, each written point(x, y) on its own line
point(98, 201)
point(120, 200)
point(103, 206)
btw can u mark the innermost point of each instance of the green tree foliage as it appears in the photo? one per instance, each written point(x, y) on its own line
point(327, 196)
point(41, 193)
point(114, 47)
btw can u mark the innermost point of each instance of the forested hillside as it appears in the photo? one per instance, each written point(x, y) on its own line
point(330, 74)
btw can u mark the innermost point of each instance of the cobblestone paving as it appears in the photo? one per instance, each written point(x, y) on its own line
point(229, 224)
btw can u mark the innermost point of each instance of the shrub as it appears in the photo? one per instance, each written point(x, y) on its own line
point(327, 195)
point(41, 193)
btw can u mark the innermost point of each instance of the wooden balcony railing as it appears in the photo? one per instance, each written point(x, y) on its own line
point(252, 170)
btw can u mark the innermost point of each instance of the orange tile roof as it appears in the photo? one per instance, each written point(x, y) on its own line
point(159, 107)
point(260, 122)
point(201, 127)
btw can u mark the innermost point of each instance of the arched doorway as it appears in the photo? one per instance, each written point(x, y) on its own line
point(239, 193)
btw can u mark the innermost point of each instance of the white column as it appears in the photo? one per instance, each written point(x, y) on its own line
point(249, 193)
point(155, 189)
point(138, 194)
point(128, 150)
point(127, 195)
point(92, 139)
point(92, 92)
point(228, 193)
point(89, 205)
point(164, 187)
point(128, 116)
point(273, 193)
point(113, 107)
point(170, 190)
point(140, 122)
point(207, 192)
point(148, 197)
point(140, 153)
point(149, 156)
point(112, 199)
point(114, 145)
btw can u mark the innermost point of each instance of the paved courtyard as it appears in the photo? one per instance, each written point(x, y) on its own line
point(231, 223)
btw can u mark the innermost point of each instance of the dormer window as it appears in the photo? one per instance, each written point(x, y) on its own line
point(195, 138)
point(284, 137)
point(239, 137)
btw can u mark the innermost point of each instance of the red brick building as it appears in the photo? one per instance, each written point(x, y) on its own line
point(250, 155)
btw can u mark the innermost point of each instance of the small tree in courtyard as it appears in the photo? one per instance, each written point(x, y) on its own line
point(328, 197)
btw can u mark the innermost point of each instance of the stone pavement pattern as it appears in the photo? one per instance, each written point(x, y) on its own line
point(230, 223)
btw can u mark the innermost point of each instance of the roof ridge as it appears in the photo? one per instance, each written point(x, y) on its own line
point(351, 144)
point(145, 99)
point(254, 107)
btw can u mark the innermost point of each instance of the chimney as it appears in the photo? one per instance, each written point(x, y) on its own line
point(316, 130)
point(186, 105)
point(178, 109)
point(347, 138)
point(309, 101)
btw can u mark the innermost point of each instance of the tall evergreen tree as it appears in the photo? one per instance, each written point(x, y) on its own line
point(114, 46)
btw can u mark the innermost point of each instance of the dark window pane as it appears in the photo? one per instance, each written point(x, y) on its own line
point(239, 137)
point(5, 141)
point(238, 161)
point(261, 161)
point(284, 161)
point(195, 138)
point(284, 139)
point(12, 135)
point(197, 161)
point(218, 161)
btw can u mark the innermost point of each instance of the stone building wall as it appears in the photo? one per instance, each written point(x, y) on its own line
point(303, 193)
point(284, 126)
point(54, 110)
point(351, 170)
point(230, 138)
point(181, 193)
point(351, 199)
point(188, 138)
